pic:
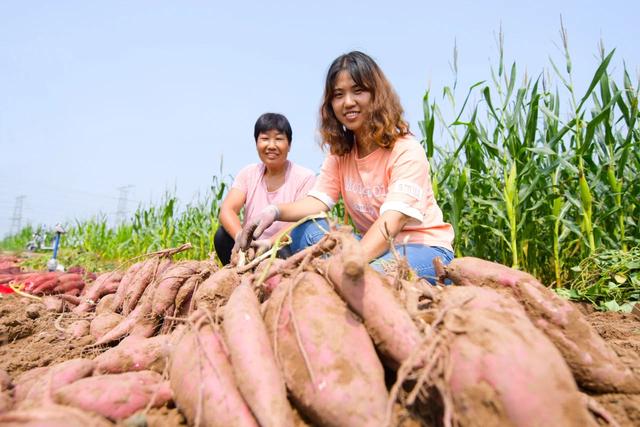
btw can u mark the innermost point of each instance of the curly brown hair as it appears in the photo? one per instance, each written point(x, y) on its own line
point(385, 124)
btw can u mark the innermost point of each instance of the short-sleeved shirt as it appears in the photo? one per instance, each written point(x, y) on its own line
point(250, 180)
point(387, 179)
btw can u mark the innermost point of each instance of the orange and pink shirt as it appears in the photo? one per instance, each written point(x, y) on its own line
point(250, 180)
point(396, 179)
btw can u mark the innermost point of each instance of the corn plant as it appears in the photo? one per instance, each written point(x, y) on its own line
point(533, 173)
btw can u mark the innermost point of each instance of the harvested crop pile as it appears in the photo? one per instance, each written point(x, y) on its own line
point(316, 339)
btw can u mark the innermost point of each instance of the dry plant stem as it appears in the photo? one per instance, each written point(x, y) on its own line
point(325, 244)
point(256, 261)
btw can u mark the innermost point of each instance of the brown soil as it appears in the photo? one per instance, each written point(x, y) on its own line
point(29, 338)
point(622, 333)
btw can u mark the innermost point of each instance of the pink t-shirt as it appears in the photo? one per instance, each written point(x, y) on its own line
point(396, 179)
point(250, 180)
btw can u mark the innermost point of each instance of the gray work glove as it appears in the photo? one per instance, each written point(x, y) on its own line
point(254, 228)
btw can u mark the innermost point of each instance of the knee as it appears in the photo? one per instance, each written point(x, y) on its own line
point(308, 233)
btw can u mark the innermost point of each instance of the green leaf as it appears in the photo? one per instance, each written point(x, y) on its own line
point(596, 78)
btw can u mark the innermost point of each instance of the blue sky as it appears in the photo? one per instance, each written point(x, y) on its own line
point(153, 94)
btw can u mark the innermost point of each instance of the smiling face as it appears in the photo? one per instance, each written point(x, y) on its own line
point(273, 148)
point(351, 103)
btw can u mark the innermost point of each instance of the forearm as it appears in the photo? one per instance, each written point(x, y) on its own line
point(291, 212)
point(375, 242)
point(230, 221)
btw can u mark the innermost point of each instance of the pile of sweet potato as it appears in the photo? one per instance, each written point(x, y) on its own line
point(322, 339)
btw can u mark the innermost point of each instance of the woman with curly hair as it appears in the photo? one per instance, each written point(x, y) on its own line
point(377, 166)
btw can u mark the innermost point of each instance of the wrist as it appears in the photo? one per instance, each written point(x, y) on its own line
point(276, 211)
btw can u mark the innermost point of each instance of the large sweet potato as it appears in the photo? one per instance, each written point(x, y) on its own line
point(135, 354)
point(254, 365)
point(329, 362)
point(128, 276)
point(496, 355)
point(167, 288)
point(51, 415)
point(217, 289)
point(116, 396)
point(202, 379)
point(388, 323)
point(593, 363)
point(38, 387)
point(152, 270)
point(104, 323)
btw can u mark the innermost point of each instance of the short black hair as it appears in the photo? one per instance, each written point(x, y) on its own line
point(271, 121)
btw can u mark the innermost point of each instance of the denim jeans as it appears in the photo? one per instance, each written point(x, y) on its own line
point(420, 257)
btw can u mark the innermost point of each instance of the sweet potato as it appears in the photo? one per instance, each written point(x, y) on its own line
point(94, 291)
point(46, 382)
point(6, 399)
point(167, 288)
point(217, 289)
point(128, 276)
point(6, 402)
point(79, 328)
point(116, 396)
point(328, 359)
point(138, 323)
point(497, 355)
point(5, 380)
point(135, 354)
point(254, 364)
point(152, 269)
point(388, 323)
point(51, 415)
point(185, 295)
point(202, 379)
point(103, 324)
point(52, 303)
point(594, 364)
point(105, 304)
point(23, 382)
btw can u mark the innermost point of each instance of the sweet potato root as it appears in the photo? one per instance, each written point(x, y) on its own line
point(154, 268)
point(135, 354)
point(51, 415)
point(105, 304)
point(43, 383)
point(329, 362)
point(79, 328)
point(128, 276)
point(103, 324)
point(217, 289)
point(116, 396)
point(495, 354)
point(202, 379)
point(254, 365)
point(167, 288)
point(388, 323)
point(594, 364)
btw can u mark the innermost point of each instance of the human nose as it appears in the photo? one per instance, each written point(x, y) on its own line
point(349, 100)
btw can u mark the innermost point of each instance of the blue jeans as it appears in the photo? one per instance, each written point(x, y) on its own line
point(419, 257)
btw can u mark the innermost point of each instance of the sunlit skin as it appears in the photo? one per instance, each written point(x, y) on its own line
point(351, 105)
point(273, 149)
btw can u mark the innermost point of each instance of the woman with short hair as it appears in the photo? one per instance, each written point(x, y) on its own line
point(275, 180)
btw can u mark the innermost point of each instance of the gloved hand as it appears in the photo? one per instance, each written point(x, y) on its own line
point(254, 228)
point(261, 246)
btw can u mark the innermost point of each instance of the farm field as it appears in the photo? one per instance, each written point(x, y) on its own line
point(540, 327)
point(39, 335)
